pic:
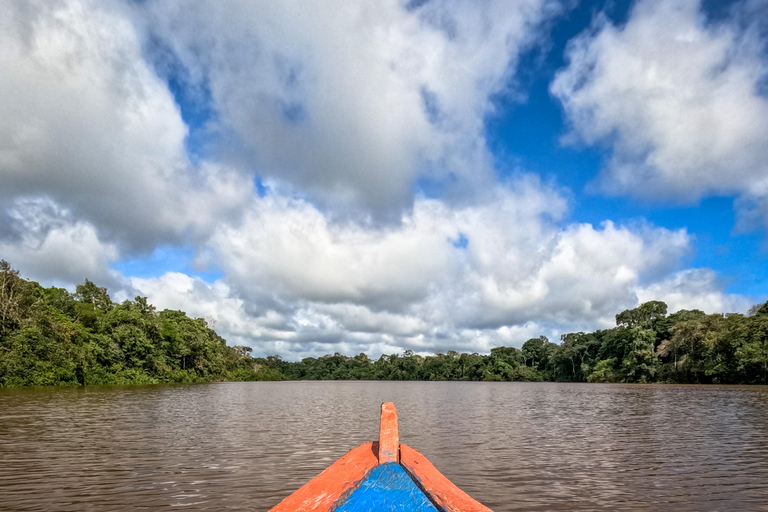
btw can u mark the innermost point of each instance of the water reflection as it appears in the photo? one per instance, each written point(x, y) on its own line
point(525, 446)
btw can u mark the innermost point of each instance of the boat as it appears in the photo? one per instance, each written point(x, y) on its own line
point(383, 475)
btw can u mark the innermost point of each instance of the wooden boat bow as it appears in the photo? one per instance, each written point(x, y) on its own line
point(378, 475)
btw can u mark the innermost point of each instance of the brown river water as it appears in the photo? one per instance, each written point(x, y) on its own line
point(512, 446)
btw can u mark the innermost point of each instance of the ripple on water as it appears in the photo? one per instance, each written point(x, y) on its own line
point(523, 446)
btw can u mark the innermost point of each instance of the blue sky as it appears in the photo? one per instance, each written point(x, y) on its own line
point(527, 132)
point(427, 176)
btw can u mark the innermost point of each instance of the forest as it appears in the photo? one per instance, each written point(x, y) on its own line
point(49, 336)
point(647, 345)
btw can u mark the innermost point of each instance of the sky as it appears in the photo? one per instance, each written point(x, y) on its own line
point(425, 175)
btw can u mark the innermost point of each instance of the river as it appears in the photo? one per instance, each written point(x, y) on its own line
point(512, 446)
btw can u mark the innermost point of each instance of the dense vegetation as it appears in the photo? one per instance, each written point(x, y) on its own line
point(49, 336)
point(647, 345)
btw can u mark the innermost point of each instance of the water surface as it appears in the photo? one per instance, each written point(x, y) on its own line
point(522, 446)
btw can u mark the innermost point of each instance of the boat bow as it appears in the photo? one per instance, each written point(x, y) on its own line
point(383, 475)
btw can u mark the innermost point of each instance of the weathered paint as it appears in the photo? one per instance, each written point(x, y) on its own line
point(330, 487)
point(443, 492)
point(389, 441)
point(387, 488)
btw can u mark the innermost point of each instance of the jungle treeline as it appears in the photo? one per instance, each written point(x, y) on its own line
point(49, 336)
point(647, 345)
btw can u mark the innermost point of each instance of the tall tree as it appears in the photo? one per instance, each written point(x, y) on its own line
point(645, 314)
point(14, 298)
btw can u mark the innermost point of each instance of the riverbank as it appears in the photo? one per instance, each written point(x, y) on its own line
point(49, 336)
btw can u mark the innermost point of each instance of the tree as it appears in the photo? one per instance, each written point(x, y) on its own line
point(604, 371)
point(243, 351)
point(642, 363)
point(758, 309)
point(576, 356)
point(724, 336)
point(645, 314)
point(686, 347)
point(11, 298)
point(51, 337)
point(752, 355)
point(95, 295)
point(534, 352)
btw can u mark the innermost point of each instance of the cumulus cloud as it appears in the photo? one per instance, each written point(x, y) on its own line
point(676, 96)
point(88, 124)
point(352, 102)
point(694, 289)
point(446, 277)
point(342, 108)
point(48, 244)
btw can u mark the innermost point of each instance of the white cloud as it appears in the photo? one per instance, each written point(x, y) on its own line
point(49, 245)
point(351, 102)
point(299, 284)
point(694, 289)
point(291, 249)
point(343, 106)
point(198, 299)
point(314, 329)
point(676, 97)
point(88, 124)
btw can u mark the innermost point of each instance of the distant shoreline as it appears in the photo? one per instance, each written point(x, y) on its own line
point(51, 337)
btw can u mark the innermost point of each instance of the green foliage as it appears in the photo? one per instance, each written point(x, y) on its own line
point(604, 371)
point(571, 360)
point(647, 345)
point(89, 293)
point(51, 337)
point(535, 353)
point(641, 363)
point(752, 353)
point(644, 315)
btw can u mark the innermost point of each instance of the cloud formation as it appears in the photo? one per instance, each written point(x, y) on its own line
point(694, 289)
point(444, 278)
point(87, 124)
point(53, 246)
point(676, 96)
point(352, 102)
point(328, 160)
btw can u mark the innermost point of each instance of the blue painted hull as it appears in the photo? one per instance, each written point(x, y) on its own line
point(387, 488)
point(381, 476)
